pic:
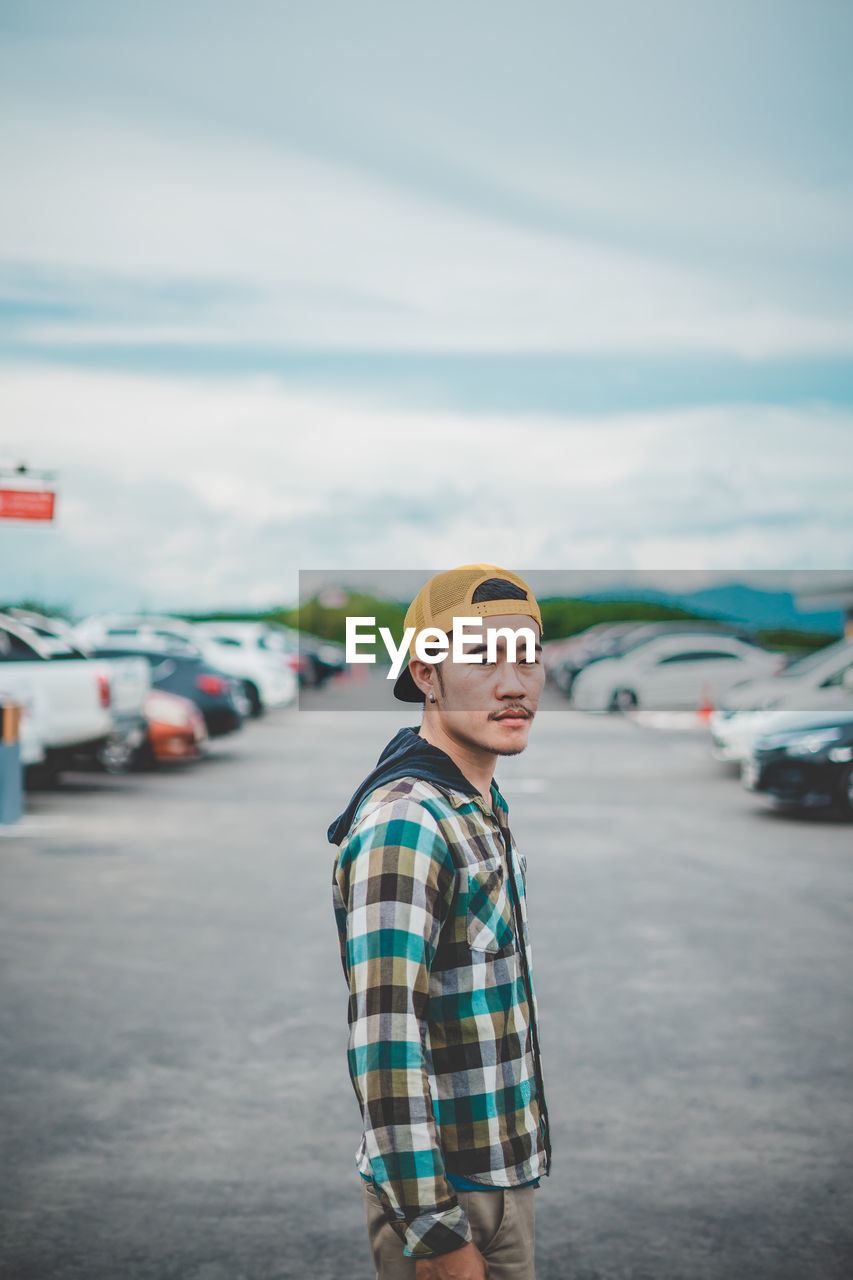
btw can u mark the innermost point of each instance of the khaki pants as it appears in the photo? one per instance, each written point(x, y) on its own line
point(502, 1223)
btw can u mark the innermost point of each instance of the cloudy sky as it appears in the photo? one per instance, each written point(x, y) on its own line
point(289, 286)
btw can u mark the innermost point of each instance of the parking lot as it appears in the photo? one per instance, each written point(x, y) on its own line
point(175, 1097)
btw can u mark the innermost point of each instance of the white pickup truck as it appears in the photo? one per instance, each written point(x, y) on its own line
point(76, 708)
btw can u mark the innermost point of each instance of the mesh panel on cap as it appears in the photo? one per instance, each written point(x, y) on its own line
point(419, 621)
point(453, 588)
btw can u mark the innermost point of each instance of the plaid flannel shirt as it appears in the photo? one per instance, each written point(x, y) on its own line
point(443, 1048)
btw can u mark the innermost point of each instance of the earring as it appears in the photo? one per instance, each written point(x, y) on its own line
point(432, 697)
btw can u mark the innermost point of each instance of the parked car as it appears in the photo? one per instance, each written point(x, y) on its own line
point(69, 695)
point(733, 732)
point(266, 677)
point(616, 639)
point(175, 730)
point(733, 738)
point(564, 658)
point(806, 684)
point(129, 631)
point(258, 654)
point(129, 683)
point(671, 672)
point(556, 651)
point(806, 765)
point(219, 698)
point(314, 660)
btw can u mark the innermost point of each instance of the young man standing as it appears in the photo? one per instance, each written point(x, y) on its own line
point(429, 901)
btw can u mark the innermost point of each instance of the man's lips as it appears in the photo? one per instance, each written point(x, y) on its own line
point(517, 715)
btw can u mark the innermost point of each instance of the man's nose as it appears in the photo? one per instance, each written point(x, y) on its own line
point(509, 683)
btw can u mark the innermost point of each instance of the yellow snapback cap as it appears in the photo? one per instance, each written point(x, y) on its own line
point(447, 596)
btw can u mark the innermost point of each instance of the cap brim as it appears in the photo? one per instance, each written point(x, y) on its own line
point(405, 688)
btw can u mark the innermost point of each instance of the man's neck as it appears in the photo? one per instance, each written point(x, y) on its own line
point(477, 765)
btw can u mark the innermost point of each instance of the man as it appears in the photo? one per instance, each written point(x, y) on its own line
point(429, 901)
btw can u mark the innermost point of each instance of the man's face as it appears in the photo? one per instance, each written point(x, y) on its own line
point(491, 705)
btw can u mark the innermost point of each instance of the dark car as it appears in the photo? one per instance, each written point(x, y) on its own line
point(314, 660)
point(597, 641)
point(808, 765)
point(218, 696)
point(327, 658)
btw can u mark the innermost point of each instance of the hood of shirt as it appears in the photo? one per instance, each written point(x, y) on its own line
point(407, 755)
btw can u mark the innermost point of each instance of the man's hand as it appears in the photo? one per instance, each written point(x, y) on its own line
point(466, 1263)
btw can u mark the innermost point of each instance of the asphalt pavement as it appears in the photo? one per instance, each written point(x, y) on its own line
point(175, 1101)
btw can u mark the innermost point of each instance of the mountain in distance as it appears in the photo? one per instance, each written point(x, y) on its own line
point(737, 602)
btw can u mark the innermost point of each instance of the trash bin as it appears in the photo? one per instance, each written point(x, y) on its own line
point(11, 770)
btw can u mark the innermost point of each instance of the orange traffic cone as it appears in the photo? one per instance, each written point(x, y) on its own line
point(706, 704)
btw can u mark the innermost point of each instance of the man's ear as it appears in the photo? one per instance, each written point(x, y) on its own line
point(423, 674)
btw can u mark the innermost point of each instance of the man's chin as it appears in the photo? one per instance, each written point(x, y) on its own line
point(509, 742)
point(495, 740)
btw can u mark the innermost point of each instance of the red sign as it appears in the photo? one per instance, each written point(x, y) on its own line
point(26, 504)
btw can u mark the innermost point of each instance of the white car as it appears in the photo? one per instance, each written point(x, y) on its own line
point(809, 684)
point(266, 681)
point(820, 682)
point(263, 656)
point(733, 736)
point(67, 695)
point(134, 632)
point(671, 672)
point(129, 682)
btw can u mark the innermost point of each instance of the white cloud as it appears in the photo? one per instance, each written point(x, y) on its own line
point(304, 252)
point(191, 493)
point(659, 180)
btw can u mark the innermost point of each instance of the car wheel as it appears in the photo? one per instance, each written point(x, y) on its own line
point(115, 756)
point(845, 791)
point(623, 700)
point(255, 704)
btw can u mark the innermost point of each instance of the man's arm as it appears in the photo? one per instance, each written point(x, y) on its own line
point(398, 879)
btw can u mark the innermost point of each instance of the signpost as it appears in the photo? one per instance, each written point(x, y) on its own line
point(26, 494)
point(26, 504)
